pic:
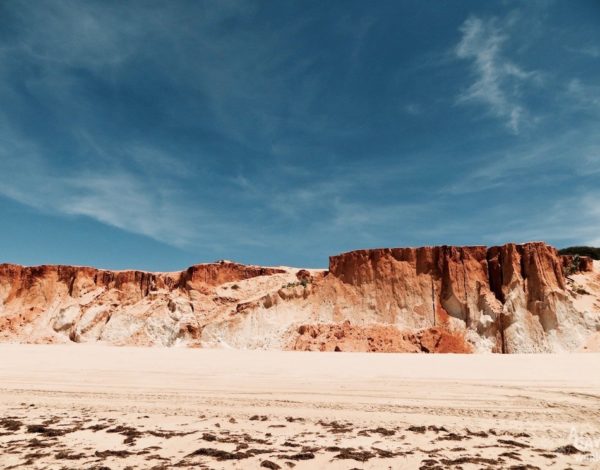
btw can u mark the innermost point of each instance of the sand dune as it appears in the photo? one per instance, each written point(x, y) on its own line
point(87, 406)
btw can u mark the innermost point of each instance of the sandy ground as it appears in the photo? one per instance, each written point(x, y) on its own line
point(92, 406)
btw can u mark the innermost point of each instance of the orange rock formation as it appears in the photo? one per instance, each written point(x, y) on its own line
point(510, 298)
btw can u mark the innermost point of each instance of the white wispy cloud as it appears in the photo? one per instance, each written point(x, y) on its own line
point(591, 50)
point(91, 35)
point(129, 183)
point(497, 79)
point(330, 194)
point(585, 96)
point(111, 195)
point(501, 168)
point(548, 160)
point(572, 218)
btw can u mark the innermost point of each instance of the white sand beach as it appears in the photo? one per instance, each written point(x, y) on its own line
point(93, 406)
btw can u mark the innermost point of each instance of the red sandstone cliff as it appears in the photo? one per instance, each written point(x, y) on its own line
point(510, 298)
point(38, 302)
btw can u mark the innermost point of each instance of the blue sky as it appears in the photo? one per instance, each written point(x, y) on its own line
point(156, 135)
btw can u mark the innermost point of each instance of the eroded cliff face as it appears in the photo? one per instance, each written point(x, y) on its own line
point(510, 298)
point(61, 303)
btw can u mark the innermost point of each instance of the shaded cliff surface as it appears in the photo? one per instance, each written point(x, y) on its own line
point(509, 298)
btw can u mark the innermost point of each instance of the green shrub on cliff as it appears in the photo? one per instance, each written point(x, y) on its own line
point(589, 251)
